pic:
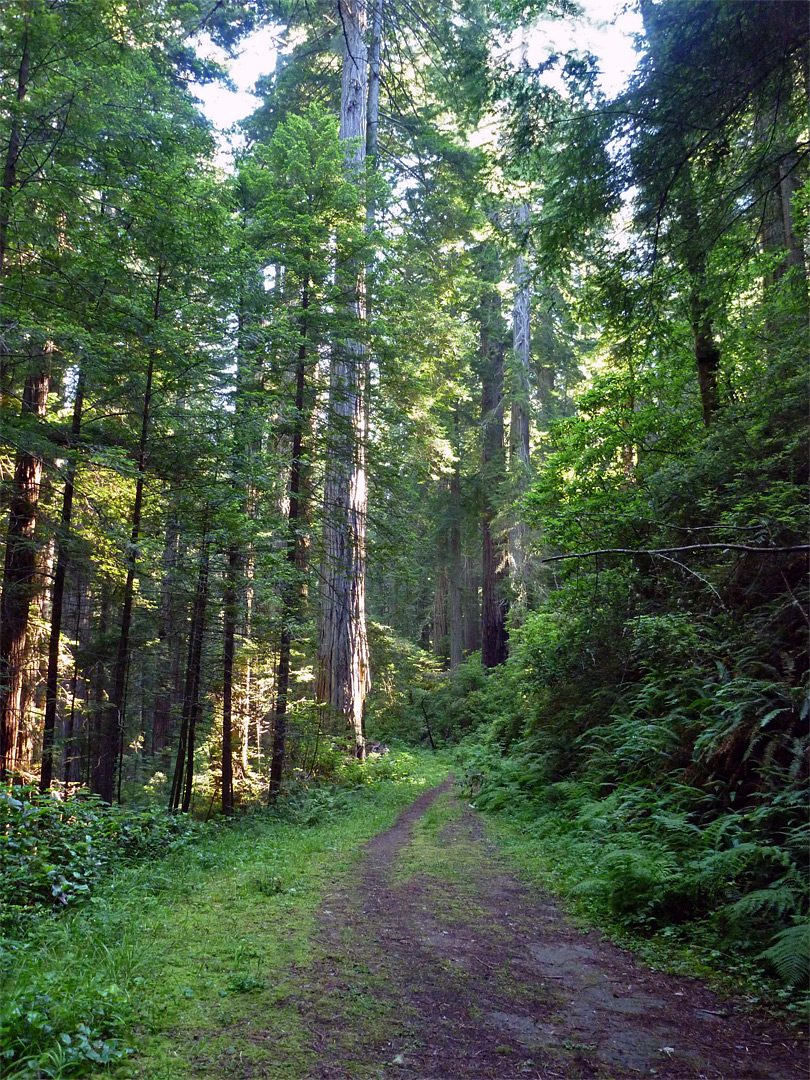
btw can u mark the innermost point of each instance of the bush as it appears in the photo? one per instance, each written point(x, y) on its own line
point(54, 851)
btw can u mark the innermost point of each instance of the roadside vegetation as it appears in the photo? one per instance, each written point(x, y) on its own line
point(671, 809)
point(196, 930)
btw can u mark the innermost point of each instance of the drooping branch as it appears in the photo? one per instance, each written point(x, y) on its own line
point(676, 550)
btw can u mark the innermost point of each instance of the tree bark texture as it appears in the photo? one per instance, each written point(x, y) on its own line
point(228, 653)
point(20, 578)
point(58, 594)
point(9, 182)
point(343, 665)
point(293, 597)
point(472, 606)
point(454, 572)
point(440, 614)
point(184, 762)
point(495, 574)
point(520, 391)
point(113, 715)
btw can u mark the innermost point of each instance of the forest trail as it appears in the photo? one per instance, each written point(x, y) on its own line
point(432, 961)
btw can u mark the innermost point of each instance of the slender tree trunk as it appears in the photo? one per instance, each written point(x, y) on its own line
point(781, 184)
point(789, 187)
point(343, 669)
point(228, 653)
point(167, 634)
point(706, 350)
point(192, 706)
point(58, 594)
point(184, 762)
point(9, 182)
point(69, 738)
point(493, 601)
point(707, 353)
point(454, 569)
point(296, 557)
point(113, 716)
point(440, 615)
point(20, 578)
point(519, 446)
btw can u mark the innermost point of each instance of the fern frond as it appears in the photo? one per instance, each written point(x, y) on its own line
point(790, 953)
point(779, 899)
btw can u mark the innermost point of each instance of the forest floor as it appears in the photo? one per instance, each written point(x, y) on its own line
point(428, 959)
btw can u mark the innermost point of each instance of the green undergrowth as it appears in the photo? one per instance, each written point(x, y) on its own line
point(56, 851)
point(169, 959)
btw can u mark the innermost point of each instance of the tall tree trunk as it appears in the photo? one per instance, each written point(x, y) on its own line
point(184, 762)
point(9, 182)
point(58, 594)
point(706, 350)
point(373, 107)
point(493, 600)
point(167, 663)
point(472, 607)
point(440, 615)
point(343, 668)
point(781, 184)
point(228, 653)
point(454, 568)
point(80, 635)
point(296, 557)
point(519, 447)
point(20, 579)
point(113, 716)
point(192, 706)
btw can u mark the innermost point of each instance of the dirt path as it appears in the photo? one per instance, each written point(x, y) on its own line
point(434, 963)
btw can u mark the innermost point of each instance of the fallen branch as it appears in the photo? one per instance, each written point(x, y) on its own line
point(675, 550)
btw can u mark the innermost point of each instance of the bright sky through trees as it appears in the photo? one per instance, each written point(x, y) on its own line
point(606, 29)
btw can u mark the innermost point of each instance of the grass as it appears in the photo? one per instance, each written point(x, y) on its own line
point(426, 853)
point(165, 972)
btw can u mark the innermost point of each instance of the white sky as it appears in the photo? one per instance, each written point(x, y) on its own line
point(606, 30)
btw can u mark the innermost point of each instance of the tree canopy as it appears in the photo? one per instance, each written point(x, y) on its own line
point(470, 402)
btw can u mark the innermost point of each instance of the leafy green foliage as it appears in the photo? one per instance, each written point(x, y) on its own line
point(790, 953)
point(55, 852)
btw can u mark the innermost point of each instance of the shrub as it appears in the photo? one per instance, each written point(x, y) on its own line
point(54, 851)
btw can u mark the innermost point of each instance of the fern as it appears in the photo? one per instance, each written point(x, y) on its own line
point(778, 899)
point(790, 953)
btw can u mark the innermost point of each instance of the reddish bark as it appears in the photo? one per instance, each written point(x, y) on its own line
point(20, 578)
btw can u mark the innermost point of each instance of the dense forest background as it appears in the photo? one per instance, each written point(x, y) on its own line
point(469, 407)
